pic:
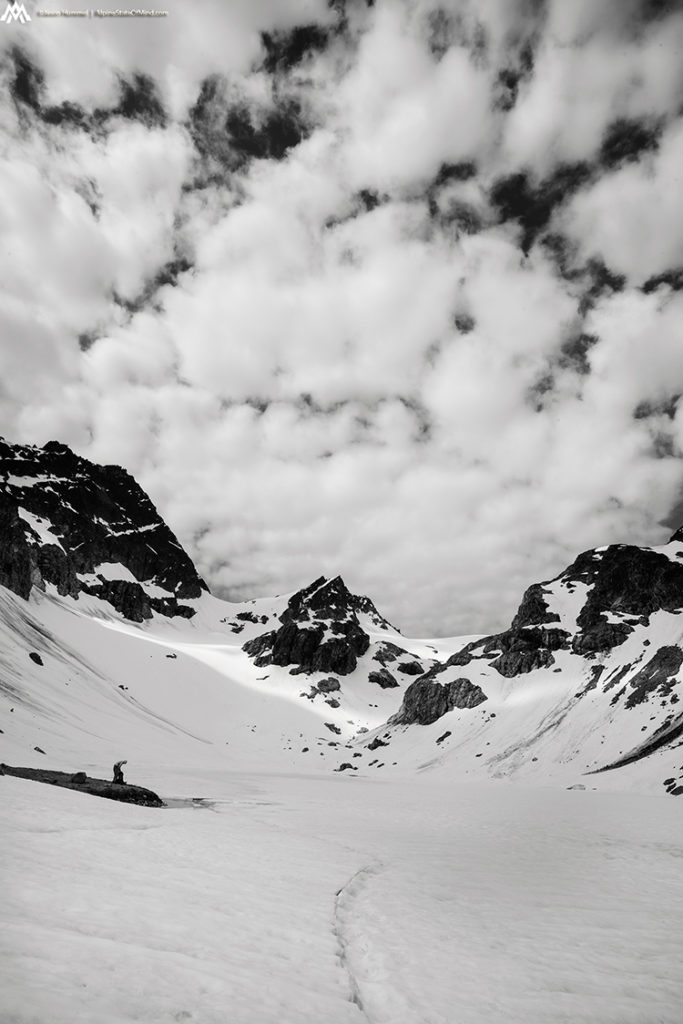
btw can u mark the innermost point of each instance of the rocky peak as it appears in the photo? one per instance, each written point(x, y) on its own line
point(332, 600)
point(321, 630)
point(588, 610)
point(88, 529)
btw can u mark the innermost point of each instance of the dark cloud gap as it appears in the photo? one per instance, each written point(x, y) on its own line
point(171, 271)
point(139, 100)
point(515, 197)
point(518, 70)
point(536, 395)
point(670, 278)
point(462, 171)
point(281, 130)
point(505, 89)
point(572, 356)
point(285, 50)
point(86, 340)
point(454, 214)
point(464, 323)
point(28, 83)
point(574, 353)
point(440, 31)
point(563, 252)
point(167, 274)
point(600, 280)
point(662, 445)
point(655, 10)
point(68, 115)
point(369, 199)
point(595, 276)
point(364, 201)
point(626, 140)
point(667, 408)
point(230, 134)
point(207, 122)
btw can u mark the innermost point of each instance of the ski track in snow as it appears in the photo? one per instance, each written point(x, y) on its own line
point(357, 963)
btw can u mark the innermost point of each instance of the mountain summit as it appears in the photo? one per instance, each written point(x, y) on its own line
point(322, 630)
point(88, 529)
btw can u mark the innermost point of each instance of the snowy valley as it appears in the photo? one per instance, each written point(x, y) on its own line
point(358, 826)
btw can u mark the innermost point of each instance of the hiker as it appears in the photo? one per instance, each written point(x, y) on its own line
point(118, 773)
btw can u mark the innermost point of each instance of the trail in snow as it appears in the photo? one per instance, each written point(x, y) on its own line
point(342, 927)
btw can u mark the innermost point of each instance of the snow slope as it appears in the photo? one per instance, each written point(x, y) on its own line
point(168, 691)
point(337, 899)
point(172, 691)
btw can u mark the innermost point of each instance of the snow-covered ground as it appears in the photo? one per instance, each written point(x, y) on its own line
point(285, 892)
point(295, 899)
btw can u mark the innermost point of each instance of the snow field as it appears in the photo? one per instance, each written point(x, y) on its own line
point(341, 899)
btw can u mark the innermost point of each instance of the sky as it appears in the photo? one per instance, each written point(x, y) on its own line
point(391, 290)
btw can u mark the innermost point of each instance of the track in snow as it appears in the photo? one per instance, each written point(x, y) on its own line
point(365, 963)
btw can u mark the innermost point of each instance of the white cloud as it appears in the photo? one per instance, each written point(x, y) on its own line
point(632, 218)
point(354, 384)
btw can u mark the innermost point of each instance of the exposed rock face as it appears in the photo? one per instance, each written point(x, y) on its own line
point(320, 631)
point(411, 668)
point(88, 529)
point(658, 675)
point(383, 678)
point(523, 650)
point(426, 700)
point(533, 611)
point(514, 652)
point(625, 580)
point(329, 685)
point(387, 653)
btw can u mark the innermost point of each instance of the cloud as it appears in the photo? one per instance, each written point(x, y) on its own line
point(390, 290)
point(641, 200)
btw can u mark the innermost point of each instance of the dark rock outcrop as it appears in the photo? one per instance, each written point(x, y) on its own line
point(523, 650)
point(512, 653)
point(83, 783)
point(657, 676)
point(320, 631)
point(624, 580)
point(383, 678)
point(533, 611)
point(63, 518)
point(387, 653)
point(329, 685)
point(411, 668)
point(426, 700)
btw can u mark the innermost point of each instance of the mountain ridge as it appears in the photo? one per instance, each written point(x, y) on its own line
point(586, 679)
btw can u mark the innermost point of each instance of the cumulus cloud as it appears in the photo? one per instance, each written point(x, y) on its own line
point(385, 289)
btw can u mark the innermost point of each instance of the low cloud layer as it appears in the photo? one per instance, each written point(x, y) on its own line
point(391, 289)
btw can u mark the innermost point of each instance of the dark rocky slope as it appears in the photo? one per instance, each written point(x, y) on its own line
point(320, 631)
point(62, 517)
point(624, 585)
